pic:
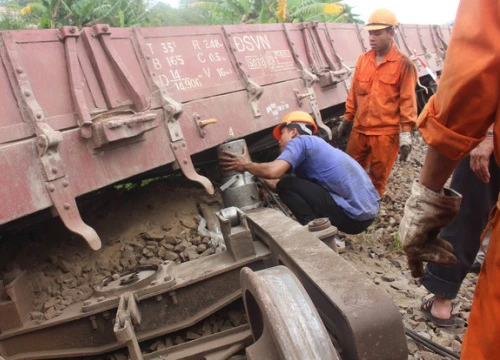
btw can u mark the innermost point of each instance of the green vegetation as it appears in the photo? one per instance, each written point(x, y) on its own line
point(46, 14)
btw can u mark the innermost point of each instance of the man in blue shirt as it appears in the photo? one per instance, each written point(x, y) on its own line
point(327, 182)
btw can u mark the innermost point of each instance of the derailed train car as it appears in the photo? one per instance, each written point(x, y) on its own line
point(82, 110)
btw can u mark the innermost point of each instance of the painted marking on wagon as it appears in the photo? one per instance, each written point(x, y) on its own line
point(251, 42)
point(275, 109)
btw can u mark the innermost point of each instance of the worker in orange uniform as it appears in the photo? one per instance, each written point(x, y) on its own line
point(381, 102)
point(455, 120)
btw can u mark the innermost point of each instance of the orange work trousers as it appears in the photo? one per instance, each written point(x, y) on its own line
point(378, 152)
point(482, 339)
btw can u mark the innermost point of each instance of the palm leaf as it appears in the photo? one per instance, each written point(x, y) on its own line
point(281, 10)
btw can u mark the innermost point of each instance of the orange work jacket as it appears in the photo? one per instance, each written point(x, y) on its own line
point(382, 99)
point(456, 118)
point(454, 122)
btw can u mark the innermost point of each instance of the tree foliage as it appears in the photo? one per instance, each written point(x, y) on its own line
point(21, 14)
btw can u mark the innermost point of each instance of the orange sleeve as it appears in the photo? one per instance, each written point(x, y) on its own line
point(457, 117)
point(351, 102)
point(408, 96)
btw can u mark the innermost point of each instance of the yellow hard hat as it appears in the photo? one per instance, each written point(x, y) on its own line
point(381, 19)
point(300, 117)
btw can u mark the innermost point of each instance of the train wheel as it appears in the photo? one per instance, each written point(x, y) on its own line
point(284, 322)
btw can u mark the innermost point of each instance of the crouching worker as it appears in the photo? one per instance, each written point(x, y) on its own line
point(327, 182)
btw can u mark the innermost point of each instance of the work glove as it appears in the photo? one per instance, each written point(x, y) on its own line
point(343, 128)
point(425, 213)
point(404, 145)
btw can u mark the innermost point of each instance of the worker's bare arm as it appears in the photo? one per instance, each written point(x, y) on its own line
point(269, 170)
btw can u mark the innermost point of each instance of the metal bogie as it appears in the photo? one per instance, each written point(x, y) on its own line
point(360, 316)
point(166, 304)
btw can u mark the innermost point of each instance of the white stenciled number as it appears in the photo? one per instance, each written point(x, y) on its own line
point(175, 60)
point(168, 47)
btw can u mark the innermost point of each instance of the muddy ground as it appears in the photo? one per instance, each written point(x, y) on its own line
point(158, 221)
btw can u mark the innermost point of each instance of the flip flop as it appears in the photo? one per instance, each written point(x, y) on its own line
point(426, 307)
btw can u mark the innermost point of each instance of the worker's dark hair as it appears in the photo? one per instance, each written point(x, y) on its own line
point(299, 129)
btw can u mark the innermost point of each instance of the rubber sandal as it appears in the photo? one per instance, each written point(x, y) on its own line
point(426, 307)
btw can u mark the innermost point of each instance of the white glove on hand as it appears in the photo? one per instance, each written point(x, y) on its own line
point(426, 212)
point(404, 145)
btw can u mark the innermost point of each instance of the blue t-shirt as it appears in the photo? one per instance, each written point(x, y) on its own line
point(313, 159)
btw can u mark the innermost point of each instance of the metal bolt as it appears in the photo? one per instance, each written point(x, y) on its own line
point(101, 298)
point(198, 117)
point(173, 296)
point(153, 283)
point(148, 57)
point(169, 109)
point(175, 147)
point(253, 91)
point(52, 188)
point(176, 133)
point(65, 183)
point(27, 93)
point(105, 28)
point(38, 115)
point(54, 171)
point(167, 278)
point(183, 145)
point(19, 70)
point(129, 125)
point(106, 315)
point(66, 206)
point(87, 302)
point(185, 162)
point(93, 322)
point(72, 30)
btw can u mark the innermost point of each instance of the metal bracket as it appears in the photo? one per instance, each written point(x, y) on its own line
point(48, 141)
point(200, 124)
point(360, 37)
point(309, 80)
point(444, 47)
point(127, 315)
point(69, 35)
point(172, 110)
point(254, 90)
point(102, 32)
point(123, 127)
point(300, 97)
